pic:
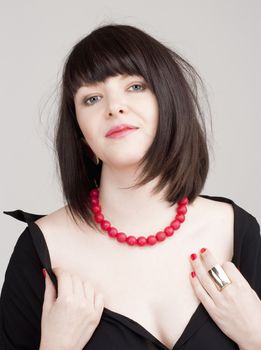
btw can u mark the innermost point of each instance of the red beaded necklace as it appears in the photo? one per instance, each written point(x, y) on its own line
point(131, 240)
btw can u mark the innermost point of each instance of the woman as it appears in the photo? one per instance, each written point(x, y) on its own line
point(137, 258)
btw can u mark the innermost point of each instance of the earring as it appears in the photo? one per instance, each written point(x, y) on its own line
point(96, 159)
point(96, 185)
point(92, 155)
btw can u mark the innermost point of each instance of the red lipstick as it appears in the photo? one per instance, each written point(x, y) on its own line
point(119, 129)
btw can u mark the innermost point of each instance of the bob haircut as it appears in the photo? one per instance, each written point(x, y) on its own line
point(178, 153)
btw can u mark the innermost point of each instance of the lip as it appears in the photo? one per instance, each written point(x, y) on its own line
point(122, 133)
point(120, 128)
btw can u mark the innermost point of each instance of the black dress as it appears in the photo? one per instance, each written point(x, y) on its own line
point(22, 295)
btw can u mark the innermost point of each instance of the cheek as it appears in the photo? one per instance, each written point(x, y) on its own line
point(90, 136)
point(153, 115)
point(147, 109)
point(85, 124)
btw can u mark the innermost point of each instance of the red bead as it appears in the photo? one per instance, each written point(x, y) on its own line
point(175, 224)
point(182, 209)
point(151, 240)
point(180, 217)
point(160, 236)
point(112, 232)
point(105, 224)
point(131, 240)
point(94, 192)
point(169, 231)
point(99, 217)
point(183, 201)
point(121, 237)
point(141, 241)
point(96, 209)
point(94, 201)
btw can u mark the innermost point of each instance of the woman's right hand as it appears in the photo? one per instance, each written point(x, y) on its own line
point(69, 320)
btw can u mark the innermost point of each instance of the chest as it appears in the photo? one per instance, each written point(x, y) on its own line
point(150, 286)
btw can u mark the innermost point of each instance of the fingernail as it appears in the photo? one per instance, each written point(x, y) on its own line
point(193, 274)
point(193, 256)
point(44, 272)
point(202, 250)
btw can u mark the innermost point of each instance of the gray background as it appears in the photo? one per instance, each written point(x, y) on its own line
point(220, 38)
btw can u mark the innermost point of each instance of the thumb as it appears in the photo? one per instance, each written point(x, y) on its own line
point(49, 293)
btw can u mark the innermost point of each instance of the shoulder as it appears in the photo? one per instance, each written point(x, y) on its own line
point(244, 224)
point(214, 217)
point(216, 202)
point(53, 222)
point(59, 229)
point(214, 209)
point(227, 206)
point(57, 221)
point(53, 218)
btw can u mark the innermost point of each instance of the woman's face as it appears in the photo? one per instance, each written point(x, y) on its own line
point(120, 99)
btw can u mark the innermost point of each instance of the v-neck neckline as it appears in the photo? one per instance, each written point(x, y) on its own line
point(196, 321)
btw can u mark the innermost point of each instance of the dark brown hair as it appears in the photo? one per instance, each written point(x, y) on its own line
point(178, 153)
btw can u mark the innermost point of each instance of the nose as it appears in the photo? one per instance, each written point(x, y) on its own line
point(115, 106)
point(119, 110)
point(115, 111)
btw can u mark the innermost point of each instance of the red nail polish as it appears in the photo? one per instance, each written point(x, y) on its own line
point(44, 273)
point(193, 274)
point(202, 250)
point(193, 256)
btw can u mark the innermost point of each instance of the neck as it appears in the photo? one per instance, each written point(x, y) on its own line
point(133, 211)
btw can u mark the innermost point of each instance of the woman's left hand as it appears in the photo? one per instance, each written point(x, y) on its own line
point(236, 309)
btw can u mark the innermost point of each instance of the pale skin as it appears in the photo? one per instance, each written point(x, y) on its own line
point(98, 108)
point(70, 318)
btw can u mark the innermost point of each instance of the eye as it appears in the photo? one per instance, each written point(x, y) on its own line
point(85, 101)
point(88, 101)
point(143, 87)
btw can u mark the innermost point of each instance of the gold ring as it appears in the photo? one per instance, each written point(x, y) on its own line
point(219, 276)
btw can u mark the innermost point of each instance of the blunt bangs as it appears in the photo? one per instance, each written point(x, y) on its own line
point(105, 53)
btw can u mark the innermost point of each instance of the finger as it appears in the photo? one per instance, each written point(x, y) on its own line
point(201, 293)
point(78, 288)
point(208, 259)
point(64, 283)
point(89, 294)
point(234, 274)
point(204, 278)
point(99, 302)
point(229, 268)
